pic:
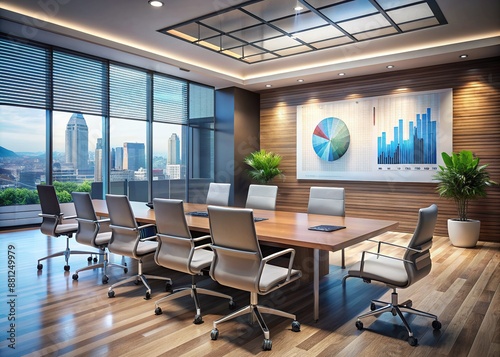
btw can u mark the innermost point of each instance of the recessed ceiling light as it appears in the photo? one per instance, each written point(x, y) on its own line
point(464, 56)
point(155, 3)
point(390, 66)
point(268, 86)
point(300, 80)
point(341, 74)
point(298, 8)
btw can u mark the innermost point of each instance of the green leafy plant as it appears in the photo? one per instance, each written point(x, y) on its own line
point(462, 179)
point(264, 166)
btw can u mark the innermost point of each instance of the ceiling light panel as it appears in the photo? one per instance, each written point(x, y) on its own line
point(261, 30)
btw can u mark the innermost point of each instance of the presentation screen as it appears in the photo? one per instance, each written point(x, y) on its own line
point(388, 138)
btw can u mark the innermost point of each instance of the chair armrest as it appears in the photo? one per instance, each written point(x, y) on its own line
point(362, 263)
point(270, 257)
point(203, 246)
point(69, 217)
point(148, 238)
point(399, 246)
point(102, 220)
point(202, 238)
point(45, 215)
point(146, 226)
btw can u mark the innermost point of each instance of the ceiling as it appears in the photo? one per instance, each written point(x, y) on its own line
point(221, 38)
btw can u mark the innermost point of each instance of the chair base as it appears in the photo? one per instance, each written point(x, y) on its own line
point(256, 312)
point(105, 265)
point(66, 253)
point(193, 291)
point(139, 277)
point(397, 309)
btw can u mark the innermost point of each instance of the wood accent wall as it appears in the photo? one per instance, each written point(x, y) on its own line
point(476, 127)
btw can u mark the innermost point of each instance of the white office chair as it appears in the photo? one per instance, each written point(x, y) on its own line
point(397, 272)
point(239, 263)
point(262, 197)
point(218, 194)
point(178, 250)
point(126, 240)
point(329, 201)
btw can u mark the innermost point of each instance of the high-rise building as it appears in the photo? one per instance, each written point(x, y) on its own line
point(134, 156)
point(117, 158)
point(98, 161)
point(174, 150)
point(77, 142)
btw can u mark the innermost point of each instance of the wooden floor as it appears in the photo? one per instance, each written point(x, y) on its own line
point(57, 316)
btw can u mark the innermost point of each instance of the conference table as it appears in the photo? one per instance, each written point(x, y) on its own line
point(289, 229)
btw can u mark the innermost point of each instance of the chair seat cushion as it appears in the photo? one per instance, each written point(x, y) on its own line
point(66, 228)
point(386, 270)
point(273, 275)
point(146, 247)
point(102, 238)
point(202, 259)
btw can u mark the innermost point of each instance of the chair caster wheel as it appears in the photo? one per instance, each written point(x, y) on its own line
point(214, 334)
point(89, 259)
point(232, 305)
point(75, 276)
point(198, 320)
point(373, 307)
point(436, 325)
point(158, 311)
point(136, 282)
point(66, 268)
point(359, 325)
point(295, 326)
point(267, 345)
point(39, 266)
point(125, 270)
point(105, 279)
point(412, 341)
point(168, 287)
point(148, 296)
point(111, 294)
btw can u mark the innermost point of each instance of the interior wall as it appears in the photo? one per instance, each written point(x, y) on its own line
point(476, 127)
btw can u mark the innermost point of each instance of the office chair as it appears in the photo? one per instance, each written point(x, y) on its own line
point(218, 194)
point(238, 263)
point(262, 197)
point(329, 201)
point(177, 250)
point(53, 226)
point(89, 233)
point(126, 240)
point(400, 273)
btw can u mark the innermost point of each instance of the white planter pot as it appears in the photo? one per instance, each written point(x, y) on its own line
point(464, 234)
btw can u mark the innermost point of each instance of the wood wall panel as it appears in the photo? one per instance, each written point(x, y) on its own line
point(476, 126)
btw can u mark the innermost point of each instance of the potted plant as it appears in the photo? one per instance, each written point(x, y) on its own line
point(462, 179)
point(264, 166)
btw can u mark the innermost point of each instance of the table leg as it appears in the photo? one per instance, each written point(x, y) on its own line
point(316, 284)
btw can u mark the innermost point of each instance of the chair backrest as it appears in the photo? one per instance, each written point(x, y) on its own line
point(237, 260)
point(326, 200)
point(175, 244)
point(88, 227)
point(218, 194)
point(262, 197)
point(50, 206)
point(124, 229)
point(421, 240)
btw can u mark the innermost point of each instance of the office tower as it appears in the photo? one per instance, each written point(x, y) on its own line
point(174, 150)
point(118, 158)
point(134, 156)
point(98, 161)
point(77, 142)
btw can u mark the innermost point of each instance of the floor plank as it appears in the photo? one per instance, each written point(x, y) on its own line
point(57, 316)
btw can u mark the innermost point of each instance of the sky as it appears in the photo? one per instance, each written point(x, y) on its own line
point(23, 130)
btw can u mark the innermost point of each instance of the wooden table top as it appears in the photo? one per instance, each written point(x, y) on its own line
point(282, 227)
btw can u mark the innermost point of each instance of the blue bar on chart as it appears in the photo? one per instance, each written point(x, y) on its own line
point(420, 148)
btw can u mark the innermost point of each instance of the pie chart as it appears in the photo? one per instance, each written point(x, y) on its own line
point(331, 139)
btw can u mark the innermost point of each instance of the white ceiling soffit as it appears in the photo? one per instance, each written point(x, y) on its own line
point(112, 27)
